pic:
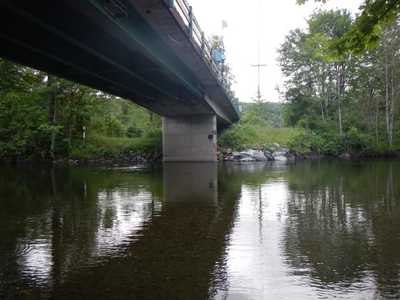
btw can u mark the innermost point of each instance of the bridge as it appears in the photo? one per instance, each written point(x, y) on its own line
point(152, 52)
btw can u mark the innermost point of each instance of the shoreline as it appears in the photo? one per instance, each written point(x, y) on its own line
point(143, 162)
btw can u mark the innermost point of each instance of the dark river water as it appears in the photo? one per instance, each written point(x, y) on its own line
point(311, 230)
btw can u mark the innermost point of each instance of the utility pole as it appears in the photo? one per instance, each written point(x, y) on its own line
point(259, 65)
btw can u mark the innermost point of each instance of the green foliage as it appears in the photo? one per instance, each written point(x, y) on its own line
point(114, 126)
point(36, 109)
point(330, 143)
point(345, 103)
point(243, 136)
point(238, 137)
point(260, 125)
point(311, 142)
point(134, 132)
point(264, 113)
point(21, 117)
point(358, 142)
point(365, 32)
point(114, 147)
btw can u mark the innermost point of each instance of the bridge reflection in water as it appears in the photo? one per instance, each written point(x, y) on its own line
point(115, 234)
point(191, 182)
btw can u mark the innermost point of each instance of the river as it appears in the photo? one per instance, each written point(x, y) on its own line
point(310, 230)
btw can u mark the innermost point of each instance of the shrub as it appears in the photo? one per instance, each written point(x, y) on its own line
point(357, 141)
point(237, 137)
point(134, 132)
point(327, 143)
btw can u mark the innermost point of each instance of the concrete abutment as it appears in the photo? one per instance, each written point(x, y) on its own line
point(190, 138)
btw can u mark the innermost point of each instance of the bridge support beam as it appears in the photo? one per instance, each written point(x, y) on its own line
point(190, 138)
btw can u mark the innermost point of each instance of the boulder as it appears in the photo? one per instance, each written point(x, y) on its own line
point(275, 147)
point(254, 154)
point(236, 154)
point(346, 156)
point(247, 159)
point(279, 153)
point(280, 158)
point(286, 150)
point(247, 153)
point(268, 155)
point(259, 156)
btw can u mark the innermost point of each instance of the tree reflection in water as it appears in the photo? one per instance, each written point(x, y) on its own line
point(343, 225)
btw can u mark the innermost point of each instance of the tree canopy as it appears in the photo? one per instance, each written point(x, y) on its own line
point(366, 29)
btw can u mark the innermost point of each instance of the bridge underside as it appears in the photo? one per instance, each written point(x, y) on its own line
point(136, 55)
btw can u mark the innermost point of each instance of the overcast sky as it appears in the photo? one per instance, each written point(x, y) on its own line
point(277, 18)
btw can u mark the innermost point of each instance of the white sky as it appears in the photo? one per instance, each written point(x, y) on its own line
point(277, 18)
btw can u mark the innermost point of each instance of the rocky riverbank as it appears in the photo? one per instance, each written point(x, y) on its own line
point(277, 152)
point(122, 160)
point(272, 153)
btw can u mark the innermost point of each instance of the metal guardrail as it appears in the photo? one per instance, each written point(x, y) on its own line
point(195, 34)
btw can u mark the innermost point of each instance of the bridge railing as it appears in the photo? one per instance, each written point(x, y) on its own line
point(196, 34)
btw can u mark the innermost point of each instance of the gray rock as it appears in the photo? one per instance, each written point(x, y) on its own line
point(270, 158)
point(229, 158)
point(254, 154)
point(259, 156)
point(268, 155)
point(236, 154)
point(284, 150)
point(247, 153)
point(267, 152)
point(247, 159)
point(280, 158)
point(345, 156)
point(279, 153)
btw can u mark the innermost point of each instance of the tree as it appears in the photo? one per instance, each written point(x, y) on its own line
point(366, 30)
point(43, 116)
point(357, 95)
point(314, 79)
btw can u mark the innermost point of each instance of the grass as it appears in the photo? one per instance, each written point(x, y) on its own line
point(281, 136)
point(98, 146)
point(243, 136)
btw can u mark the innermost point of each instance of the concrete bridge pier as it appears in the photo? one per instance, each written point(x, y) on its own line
point(190, 138)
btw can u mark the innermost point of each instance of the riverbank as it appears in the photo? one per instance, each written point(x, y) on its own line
point(250, 141)
point(273, 153)
point(121, 160)
point(276, 152)
point(100, 151)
